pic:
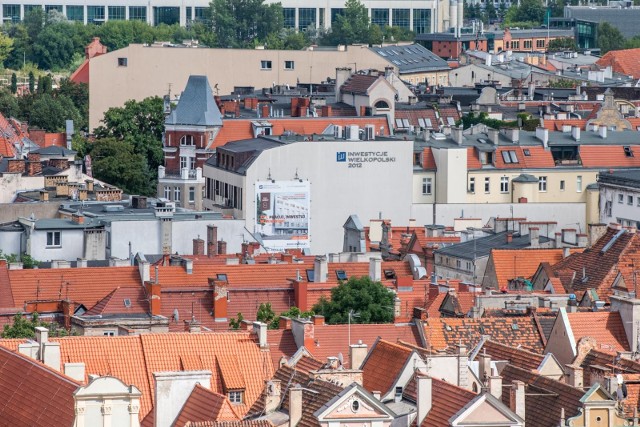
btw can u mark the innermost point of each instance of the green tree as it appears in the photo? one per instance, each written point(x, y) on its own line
point(50, 113)
point(236, 322)
point(34, 22)
point(609, 38)
point(32, 82)
point(54, 46)
point(6, 46)
point(14, 83)
point(20, 48)
point(351, 26)
point(238, 23)
point(8, 104)
point(369, 300)
point(139, 123)
point(490, 13)
point(116, 162)
point(78, 93)
point(265, 313)
point(563, 43)
point(23, 327)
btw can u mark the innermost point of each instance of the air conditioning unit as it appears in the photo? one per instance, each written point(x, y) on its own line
point(347, 131)
point(337, 131)
point(353, 133)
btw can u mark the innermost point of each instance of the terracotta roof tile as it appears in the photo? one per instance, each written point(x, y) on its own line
point(114, 303)
point(544, 397)
point(516, 356)
point(330, 340)
point(428, 161)
point(244, 423)
point(308, 364)
point(446, 333)
point(605, 327)
point(609, 156)
point(281, 344)
point(625, 61)
point(538, 158)
point(510, 264)
point(32, 394)
point(414, 114)
point(232, 378)
point(473, 161)
point(383, 366)
point(433, 306)
point(205, 405)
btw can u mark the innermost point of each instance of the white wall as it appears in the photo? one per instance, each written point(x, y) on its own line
point(10, 242)
point(338, 190)
point(72, 245)
point(451, 182)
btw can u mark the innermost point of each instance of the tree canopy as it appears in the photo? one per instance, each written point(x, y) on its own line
point(116, 162)
point(368, 301)
point(23, 327)
point(266, 315)
point(609, 38)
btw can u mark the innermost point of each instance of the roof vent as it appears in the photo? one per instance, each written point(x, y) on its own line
point(127, 302)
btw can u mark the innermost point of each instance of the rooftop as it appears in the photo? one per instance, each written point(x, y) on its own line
point(412, 58)
point(482, 246)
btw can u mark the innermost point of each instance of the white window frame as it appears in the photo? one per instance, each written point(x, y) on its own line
point(472, 185)
point(54, 239)
point(630, 200)
point(620, 198)
point(504, 184)
point(579, 184)
point(542, 184)
point(427, 186)
point(266, 64)
point(235, 397)
point(487, 185)
point(167, 192)
point(187, 140)
point(289, 65)
point(176, 194)
point(192, 194)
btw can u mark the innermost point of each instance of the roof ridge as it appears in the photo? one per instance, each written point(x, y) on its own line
point(41, 365)
point(457, 387)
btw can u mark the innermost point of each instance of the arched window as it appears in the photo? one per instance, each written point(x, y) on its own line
point(382, 104)
point(186, 140)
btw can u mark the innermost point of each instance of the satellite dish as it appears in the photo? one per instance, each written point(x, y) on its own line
point(340, 359)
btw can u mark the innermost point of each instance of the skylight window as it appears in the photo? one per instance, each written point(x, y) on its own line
point(311, 276)
point(627, 151)
point(505, 157)
point(526, 152)
point(222, 277)
point(341, 275)
point(389, 274)
point(514, 158)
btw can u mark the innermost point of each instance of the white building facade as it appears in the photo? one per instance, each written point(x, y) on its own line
point(620, 197)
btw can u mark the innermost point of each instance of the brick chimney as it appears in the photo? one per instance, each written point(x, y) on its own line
point(62, 164)
point(517, 398)
point(153, 293)
point(222, 247)
point(77, 218)
point(198, 246)
point(16, 166)
point(212, 240)
point(300, 291)
point(509, 237)
point(220, 299)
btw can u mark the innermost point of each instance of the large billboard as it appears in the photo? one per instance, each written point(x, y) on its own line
point(282, 214)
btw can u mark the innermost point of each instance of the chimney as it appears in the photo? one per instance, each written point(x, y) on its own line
point(273, 394)
point(320, 269)
point(220, 299)
point(81, 263)
point(509, 237)
point(424, 397)
point(34, 168)
point(517, 398)
point(51, 355)
point(543, 135)
point(300, 294)
point(495, 386)
point(457, 133)
point(77, 218)
point(222, 247)
point(558, 240)
point(295, 405)
point(357, 354)
point(317, 320)
point(375, 269)
point(602, 131)
point(484, 367)
point(198, 246)
point(75, 371)
point(42, 336)
point(16, 166)
point(264, 110)
point(534, 237)
point(172, 389)
point(44, 196)
point(576, 376)
point(463, 366)
point(575, 132)
point(261, 330)
point(89, 183)
point(494, 135)
point(212, 239)
point(583, 239)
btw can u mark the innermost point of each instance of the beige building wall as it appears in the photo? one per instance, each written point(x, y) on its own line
point(575, 184)
point(431, 78)
point(154, 71)
point(418, 195)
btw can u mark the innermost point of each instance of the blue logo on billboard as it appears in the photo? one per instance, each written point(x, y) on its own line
point(341, 156)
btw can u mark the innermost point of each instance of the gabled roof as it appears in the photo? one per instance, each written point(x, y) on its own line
point(516, 356)
point(359, 84)
point(441, 334)
point(605, 327)
point(545, 398)
point(33, 394)
point(513, 263)
point(613, 156)
point(482, 246)
point(205, 405)
point(383, 366)
point(196, 106)
point(122, 302)
point(625, 61)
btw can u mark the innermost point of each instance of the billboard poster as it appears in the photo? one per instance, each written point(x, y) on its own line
point(282, 214)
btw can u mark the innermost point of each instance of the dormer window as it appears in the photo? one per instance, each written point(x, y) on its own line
point(187, 140)
point(261, 127)
point(236, 397)
point(627, 151)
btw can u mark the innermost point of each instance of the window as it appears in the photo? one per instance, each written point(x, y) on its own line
point(527, 152)
point(398, 391)
point(176, 194)
point(504, 184)
point(638, 201)
point(306, 18)
point(542, 183)
point(509, 156)
point(53, 239)
point(289, 17)
point(620, 198)
point(167, 192)
point(341, 275)
point(579, 184)
point(487, 185)
point(400, 18)
point(562, 185)
point(116, 13)
point(426, 186)
point(184, 161)
point(95, 14)
point(527, 44)
point(627, 151)
point(109, 333)
point(122, 62)
point(75, 13)
point(137, 13)
point(265, 65)
point(472, 185)
point(192, 194)
point(11, 12)
point(49, 7)
point(421, 21)
point(201, 13)
point(187, 140)
point(289, 65)
point(311, 275)
point(630, 200)
point(380, 17)
point(235, 397)
point(540, 43)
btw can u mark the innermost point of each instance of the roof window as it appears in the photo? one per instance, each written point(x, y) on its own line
point(311, 276)
point(526, 152)
point(127, 302)
point(389, 274)
point(341, 275)
point(222, 277)
point(627, 151)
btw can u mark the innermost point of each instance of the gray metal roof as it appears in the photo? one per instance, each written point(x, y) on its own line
point(534, 32)
point(481, 247)
point(196, 106)
point(525, 177)
point(625, 20)
point(627, 178)
point(66, 224)
point(54, 150)
point(411, 58)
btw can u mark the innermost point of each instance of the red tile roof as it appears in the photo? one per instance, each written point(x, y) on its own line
point(516, 356)
point(383, 366)
point(625, 61)
point(510, 264)
point(281, 344)
point(205, 405)
point(243, 423)
point(114, 303)
point(605, 327)
point(32, 394)
point(428, 161)
point(609, 156)
point(330, 340)
point(358, 84)
point(473, 161)
point(538, 158)
point(413, 114)
point(446, 333)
